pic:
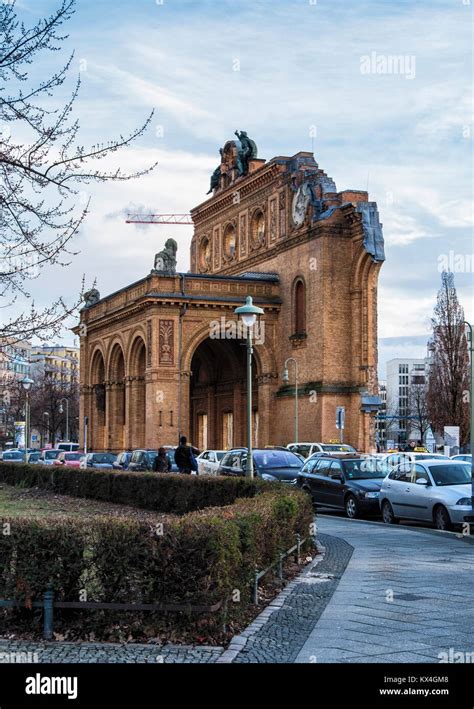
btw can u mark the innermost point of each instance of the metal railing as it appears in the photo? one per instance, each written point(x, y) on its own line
point(48, 604)
point(296, 549)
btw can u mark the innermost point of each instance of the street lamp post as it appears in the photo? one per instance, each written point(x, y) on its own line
point(286, 379)
point(249, 314)
point(26, 384)
point(471, 399)
point(67, 415)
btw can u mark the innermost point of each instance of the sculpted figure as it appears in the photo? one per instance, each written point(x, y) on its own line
point(165, 261)
point(91, 297)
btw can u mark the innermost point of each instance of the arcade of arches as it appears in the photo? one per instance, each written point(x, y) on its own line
point(151, 367)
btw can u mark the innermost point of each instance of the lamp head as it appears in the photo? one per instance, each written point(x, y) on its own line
point(26, 383)
point(285, 376)
point(249, 312)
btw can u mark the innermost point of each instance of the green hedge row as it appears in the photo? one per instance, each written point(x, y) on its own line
point(199, 558)
point(177, 494)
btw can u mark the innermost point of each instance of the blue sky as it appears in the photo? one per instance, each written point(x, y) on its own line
point(409, 139)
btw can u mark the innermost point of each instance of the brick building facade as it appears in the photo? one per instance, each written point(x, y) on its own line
point(162, 356)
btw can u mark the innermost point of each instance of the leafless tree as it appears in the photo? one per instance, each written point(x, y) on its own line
point(418, 407)
point(42, 166)
point(48, 406)
point(448, 403)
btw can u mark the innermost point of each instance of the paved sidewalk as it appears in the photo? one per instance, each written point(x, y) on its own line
point(379, 594)
point(406, 596)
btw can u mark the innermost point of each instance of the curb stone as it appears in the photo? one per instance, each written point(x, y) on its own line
point(238, 642)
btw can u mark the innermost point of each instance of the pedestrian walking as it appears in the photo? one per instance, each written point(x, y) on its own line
point(184, 456)
point(162, 463)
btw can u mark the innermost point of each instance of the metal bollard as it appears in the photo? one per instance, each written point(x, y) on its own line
point(280, 567)
point(255, 588)
point(298, 549)
point(48, 600)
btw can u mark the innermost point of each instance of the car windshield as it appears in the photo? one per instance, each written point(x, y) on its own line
point(338, 448)
point(51, 455)
point(73, 456)
point(363, 469)
point(303, 450)
point(454, 474)
point(277, 459)
point(103, 458)
point(13, 456)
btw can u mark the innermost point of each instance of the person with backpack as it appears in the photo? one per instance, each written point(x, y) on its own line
point(184, 456)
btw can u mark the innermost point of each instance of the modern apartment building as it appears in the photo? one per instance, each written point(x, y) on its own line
point(403, 375)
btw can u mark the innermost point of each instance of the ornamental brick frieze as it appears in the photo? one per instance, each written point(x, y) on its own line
point(166, 343)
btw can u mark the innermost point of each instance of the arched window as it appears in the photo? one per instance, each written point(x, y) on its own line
point(299, 308)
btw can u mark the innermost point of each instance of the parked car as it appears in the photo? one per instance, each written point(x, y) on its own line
point(69, 459)
point(67, 446)
point(97, 460)
point(435, 490)
point(14, 457)
point(394, 459)
point(208, 462)
point(142, 460)
point(344, 482)
point(33, 458)
point(270, 464)
point(48, 456)
point(462, 457)
point(309, 449)
point(123, 460)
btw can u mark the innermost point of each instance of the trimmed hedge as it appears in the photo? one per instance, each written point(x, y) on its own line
point(166, 493)
point(199, 558)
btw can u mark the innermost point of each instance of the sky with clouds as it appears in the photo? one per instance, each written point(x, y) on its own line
point(278, 68)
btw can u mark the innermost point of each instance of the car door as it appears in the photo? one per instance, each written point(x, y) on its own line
point(404, 504)
point(335, 485)
point(420, 495)
point(394, 487)
point(232, 464)
point(202, 460)
point(320, 480)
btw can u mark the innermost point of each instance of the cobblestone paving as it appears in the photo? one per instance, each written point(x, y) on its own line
point(41, 652)
point(281, 638)
point(407, 595)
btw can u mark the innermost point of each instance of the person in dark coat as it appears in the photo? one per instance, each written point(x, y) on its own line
point(182, 456)
point(162, 463)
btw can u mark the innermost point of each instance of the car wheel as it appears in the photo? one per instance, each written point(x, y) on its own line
point(442, 519)
point(387, 513)
point(351, 507)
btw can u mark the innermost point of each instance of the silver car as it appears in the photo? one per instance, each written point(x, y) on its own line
point(436, 491)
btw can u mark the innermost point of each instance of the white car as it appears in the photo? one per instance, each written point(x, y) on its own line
point(307, 449)
point(462, 458)
point(208, 462)
point(436, 491)
point(394, 459)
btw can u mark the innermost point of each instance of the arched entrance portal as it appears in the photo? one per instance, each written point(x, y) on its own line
point(137, 393)
point(218, 395)
point(116, 399)
point(97, 423)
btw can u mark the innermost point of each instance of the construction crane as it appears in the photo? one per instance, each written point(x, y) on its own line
point(159, 219)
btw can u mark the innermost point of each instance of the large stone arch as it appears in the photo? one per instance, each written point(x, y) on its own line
point(263, 353)
point(221, 396)
point(136, 391)
point(97, 408)
point(116, 407)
